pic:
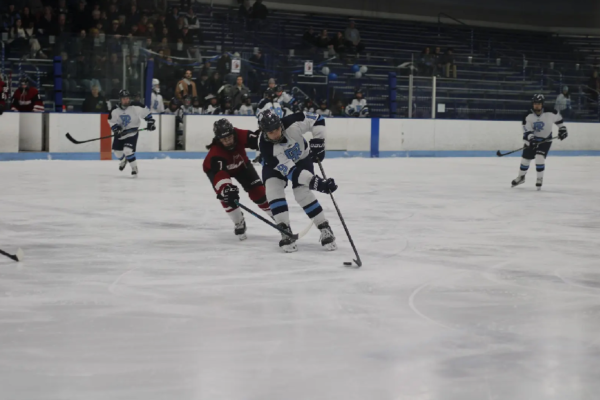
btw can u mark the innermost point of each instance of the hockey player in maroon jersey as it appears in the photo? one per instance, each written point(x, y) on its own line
point(26, 98)
point(227, 159)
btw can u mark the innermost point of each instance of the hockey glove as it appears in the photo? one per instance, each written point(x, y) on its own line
point(117, 130)
point(528, 139)
point(317, 149)
point(151, 124)
point(231, 195)
point(323, 185)
point(562, 133)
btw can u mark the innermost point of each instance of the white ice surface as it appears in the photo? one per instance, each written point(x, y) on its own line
point(137, 289)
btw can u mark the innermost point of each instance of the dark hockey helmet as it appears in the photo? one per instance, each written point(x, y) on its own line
point(23, 82)
point(245, 98)
point(538, 98)
point(227, 102)
point(223, 129)
point(174, 104)
point(278, 89)
point(196, 102)
point(124, 93)
point(268, 121)
point(269, 94)
point(359, 91)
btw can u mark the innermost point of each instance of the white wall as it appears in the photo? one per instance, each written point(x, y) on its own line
point(80, 126)
point(199, 129)
point(167, 132)
point(9, 132)
point(31, 133)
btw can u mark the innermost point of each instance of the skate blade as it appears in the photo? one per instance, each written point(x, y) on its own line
point(330, 246)
point(290, 248)
point(539, 188)
point(242, 236)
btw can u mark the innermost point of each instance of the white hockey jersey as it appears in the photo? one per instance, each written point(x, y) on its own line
point(245, 110)
point(325, 113)
point(212, 110)
point(284, 100)
point(129, 118)
point(157, 104)
point(358, 108)
point(283, 156)
point(265, 104)
point(541, 125)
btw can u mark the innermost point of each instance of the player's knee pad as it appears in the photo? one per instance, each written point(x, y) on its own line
point(525, 164)
point(118, 154)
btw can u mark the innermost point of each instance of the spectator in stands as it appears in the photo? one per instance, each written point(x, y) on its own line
point(257, 62)
point(224, 64)
point(309, 39)
point(11, 15)
point(203, 87)
point(323, 40)
point(245, 10)
point(239, 90)
point(163, 34)
point(426, 63)
point(338, 43)
point(186, 37)
point(18, 38)
point(114, 69)
point(95, 102)
point(352, 36)
point(215, 82)
point(142, 24)
point(563, 102)
point(438, 61)
point(272, 84)
point(337, 110)
point(448, 65)
point(133, 16)
point(180, 50)
point(112, 13)
point(192, 19)
point(48, 22)
point(207, 69)
point(68, 73)
point(259, 10)
point(171, 20)
point(160, 24)
point(26, 17)
point(186, 86)
point(115, 30)
point(81, 17)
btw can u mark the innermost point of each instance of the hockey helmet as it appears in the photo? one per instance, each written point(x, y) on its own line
point(538, 98)
point(196, 102)
point(269, 94)
point(124, 94)
point(222, 130)
point(227, 102)
point(278, 89)
point(268, 121)
point(210, 99)
point(357, 92)
point(156, 85)
point(24, 82)
point(187, 101)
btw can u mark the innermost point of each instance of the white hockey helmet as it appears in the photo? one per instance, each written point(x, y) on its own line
point(156, 85)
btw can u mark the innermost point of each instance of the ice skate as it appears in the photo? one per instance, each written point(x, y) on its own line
point(134, 171)
point(538, 183)
point(518, 181)
point(287, 243)
point(123, 164)
point(240, 230)
point(327, 237)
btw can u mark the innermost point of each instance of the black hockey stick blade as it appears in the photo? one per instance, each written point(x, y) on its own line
point(68, 135)
point(17, 257)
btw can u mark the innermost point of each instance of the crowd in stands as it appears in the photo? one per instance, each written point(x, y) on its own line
point(437, 63)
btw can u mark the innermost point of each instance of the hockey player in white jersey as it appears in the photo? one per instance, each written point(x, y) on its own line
point(268, 103)
point(157, 104)
point(246, 107)
point(125, 120)
point(358, 107)
point(323, 111)
point(537, 130)
point(213, 106)
point(287, 156)
point(287, 101)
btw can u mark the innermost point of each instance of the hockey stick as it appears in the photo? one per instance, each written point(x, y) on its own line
point(73, 140)
point(17, 257)
point(291, 235)
point(524, 147)
point(357, 261)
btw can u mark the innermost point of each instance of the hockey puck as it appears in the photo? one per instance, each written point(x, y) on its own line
point(347, 263)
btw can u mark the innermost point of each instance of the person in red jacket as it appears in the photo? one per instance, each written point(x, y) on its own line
point(26, 98)
point(227, 159)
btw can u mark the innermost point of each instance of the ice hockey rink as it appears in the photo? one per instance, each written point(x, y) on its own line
point(138, 289)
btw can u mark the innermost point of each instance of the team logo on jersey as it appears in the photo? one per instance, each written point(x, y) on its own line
point(238, 161)
point(125, 120)
point(293, 153)
point(538, 126)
